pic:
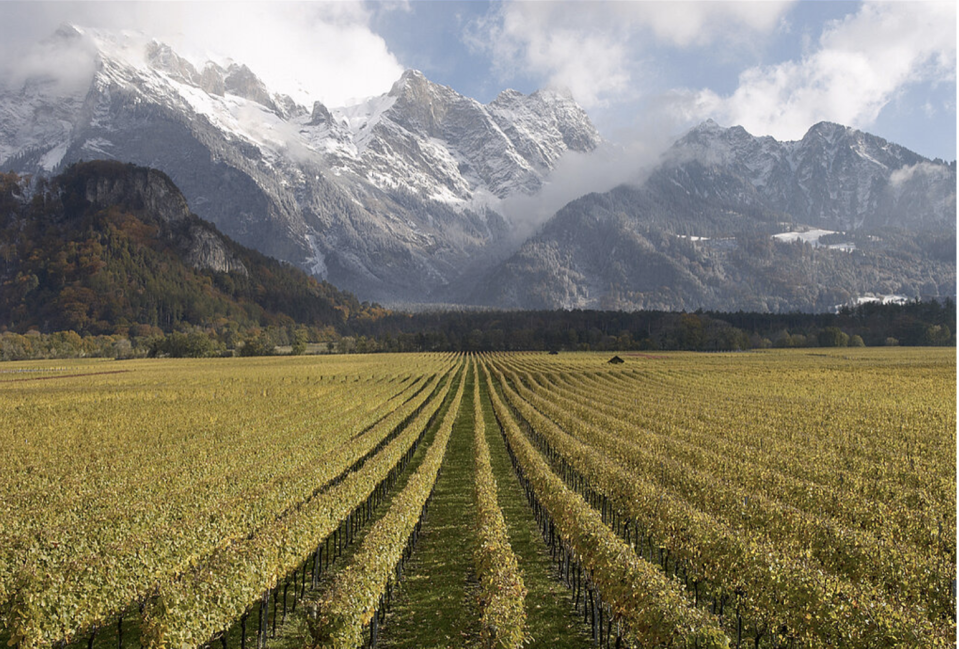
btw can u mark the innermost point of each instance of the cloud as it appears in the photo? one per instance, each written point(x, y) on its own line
point(858, 66)
point(920, 170)
point(323, 51)
point(68, 66)
point(598, 49)
point(630, 161)
point(686, 24)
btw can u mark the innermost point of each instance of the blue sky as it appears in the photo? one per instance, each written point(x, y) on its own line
point(665, 68)
point(643, 70)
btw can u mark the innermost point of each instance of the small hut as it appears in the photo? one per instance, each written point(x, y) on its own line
point(615, 360)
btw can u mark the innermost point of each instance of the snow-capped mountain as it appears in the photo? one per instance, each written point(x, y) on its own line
point(835, 176)
point(729, 221)
point(394, 198)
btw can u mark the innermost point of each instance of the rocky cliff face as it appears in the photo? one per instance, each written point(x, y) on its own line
point(150, 195)
point(135, 188)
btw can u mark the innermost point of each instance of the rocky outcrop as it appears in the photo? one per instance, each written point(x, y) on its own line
point(241, 81)
point(151, 196)
point(204, 249)
point(133, 188)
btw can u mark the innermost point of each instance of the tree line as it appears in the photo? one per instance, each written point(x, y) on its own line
point(918, 323)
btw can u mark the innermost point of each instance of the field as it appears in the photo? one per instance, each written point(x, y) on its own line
point(790, 498)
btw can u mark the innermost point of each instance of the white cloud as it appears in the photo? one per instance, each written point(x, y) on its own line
point(924, 170)
point(701, 23)
point(70, 67)
point(323, 51)
point(858, 66)
point(596, 49)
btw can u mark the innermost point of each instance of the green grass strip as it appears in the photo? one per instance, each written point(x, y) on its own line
point(502, 590)
point(551, 618)
point(358, 590)
point(436, 604)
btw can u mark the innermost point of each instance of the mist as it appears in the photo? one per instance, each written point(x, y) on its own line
point(628, 158)
point(64, 65)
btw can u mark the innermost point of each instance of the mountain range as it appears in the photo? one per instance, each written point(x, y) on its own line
point(729, 221)
point(401, 198)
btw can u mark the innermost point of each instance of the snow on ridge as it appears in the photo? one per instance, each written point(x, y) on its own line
point(809, 236)
point(98, 145)
point(891, 298)
point(362, 117)
point(125, 46)
point(812, 237)
point(472, 171)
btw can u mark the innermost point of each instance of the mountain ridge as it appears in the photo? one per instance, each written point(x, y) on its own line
point(390, 198)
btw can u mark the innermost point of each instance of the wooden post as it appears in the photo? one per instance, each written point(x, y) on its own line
point(264, 620)
point(276, 596)
point(293, 608)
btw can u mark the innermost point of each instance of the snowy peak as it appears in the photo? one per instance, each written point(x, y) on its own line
point(162, 57)
point(211, 79)
point(66, 33)
point(395, 197)
point(320, 115)
point(241, 81)
point(458, 151)
point(507, 97)
point(835, 177)
point(423, 106)
point(828, 132)
point(133, 59)
point(411, 82)
point(544, 114)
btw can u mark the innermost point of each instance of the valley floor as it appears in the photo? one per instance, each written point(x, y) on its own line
point(767, 499)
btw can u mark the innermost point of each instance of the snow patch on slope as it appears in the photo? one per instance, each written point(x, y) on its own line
point(51, 159)
point(317, 264)
point(811, 237)
point(361, 118)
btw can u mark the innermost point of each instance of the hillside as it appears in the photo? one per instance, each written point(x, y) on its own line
point(106, 246)
point(729, 222)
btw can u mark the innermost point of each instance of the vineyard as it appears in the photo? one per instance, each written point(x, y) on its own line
point(790, 498)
